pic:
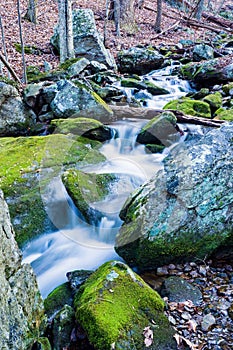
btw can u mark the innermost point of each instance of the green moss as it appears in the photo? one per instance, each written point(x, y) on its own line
point(190, 107)
point(77, 126)
point(227, 87)
point(58, 298)
point(214, 100)
point(65, 65)
point(224, 114)
point(86, 188)
point(22, 177)
point(27, 49)
point(43, 343)
point(114, 306)
point(133, 83)
point(101, 101)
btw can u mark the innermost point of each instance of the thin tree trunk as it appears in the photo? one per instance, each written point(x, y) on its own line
point(158, 17)
point(3, 43)
point(65, 30)
point(199, 9)
point(22, 43)
point(10, 69)
point(31, 14)
point(117, 14)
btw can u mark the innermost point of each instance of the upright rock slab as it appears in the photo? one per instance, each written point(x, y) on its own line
point(21, 305)
point(186, 211)
point(87, 41)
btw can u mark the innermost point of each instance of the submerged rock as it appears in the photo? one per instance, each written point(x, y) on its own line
point(185, 211)
point(85, 189)
point(118, 310)
point(21, 305)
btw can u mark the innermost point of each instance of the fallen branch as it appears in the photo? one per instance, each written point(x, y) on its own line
point(226, 23)
point(121, 112)
point(10, 69)
point(166, 31)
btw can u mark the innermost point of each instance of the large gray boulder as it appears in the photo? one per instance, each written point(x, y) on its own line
point(185, 212)
point(15, 117)
point(78, 101)
point(21, 305)
point(139, 60)
point(87, 41)
point(203, 52)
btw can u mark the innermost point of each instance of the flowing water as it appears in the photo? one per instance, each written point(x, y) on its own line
point(77, 244)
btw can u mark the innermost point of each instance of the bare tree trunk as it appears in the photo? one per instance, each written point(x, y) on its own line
point(158, 17)
point(127, 14)
point(3, 44)
point(31, 14)
point(65, 30)
point(117, 15)
point(199, 9)
point(22, 43)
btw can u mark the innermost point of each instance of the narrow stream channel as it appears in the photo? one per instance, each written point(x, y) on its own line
point(81, 245)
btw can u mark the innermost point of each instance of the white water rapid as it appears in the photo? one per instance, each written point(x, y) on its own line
point(76, 244)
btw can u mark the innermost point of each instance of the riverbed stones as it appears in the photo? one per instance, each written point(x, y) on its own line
point(21, 305)
point(203, 52)
point(21, 119)
point(118, 311)
point(185, 211)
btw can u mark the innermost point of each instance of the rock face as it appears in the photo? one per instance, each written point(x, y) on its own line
point(74, 101)
point(185, 211)
point(116, 308)
point(87, 41)
point(21, 306)
point(15, 118)
point(139, 60)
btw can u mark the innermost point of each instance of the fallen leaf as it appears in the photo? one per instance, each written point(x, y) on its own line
point(148, 334)
point(192, 325)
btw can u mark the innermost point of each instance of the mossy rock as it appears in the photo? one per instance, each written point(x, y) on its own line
point(228, 89)
point(86, 188)
point(155, 89)
point(133, 83)
point(60, 296)
point(161, 130)
point(27, 167)
point(224, 114)
point(115, 305)
point(150, 148)
point(214, 100)
point(190, 107)
point(42, 343)
point(85, 127)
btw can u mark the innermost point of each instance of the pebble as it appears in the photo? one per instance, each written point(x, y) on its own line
point(208, 325)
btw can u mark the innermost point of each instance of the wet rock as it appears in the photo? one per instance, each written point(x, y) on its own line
point(55, 301)
point(114, 305)
point(62, 326)
point(139, 60)
point(167, 220)
point(161, 130)
point(77, 278)
point(179, 290)
point(85, 127)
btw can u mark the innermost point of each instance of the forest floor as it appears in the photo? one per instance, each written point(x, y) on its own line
point(39, 35)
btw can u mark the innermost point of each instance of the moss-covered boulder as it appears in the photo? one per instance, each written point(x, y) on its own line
point(214, 100)
point(84, 127)
point(75, 100)
point(161, 130)
point(116, 307)
point(190, 107)
point(185, 212)
point(85, 189)
point(144, 85)
point(228, 89)
point(60, 296)
point(27, 167)
point(206, 73)
point(224, 114)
